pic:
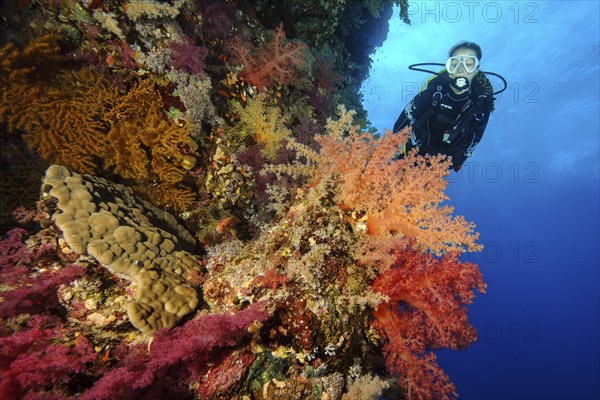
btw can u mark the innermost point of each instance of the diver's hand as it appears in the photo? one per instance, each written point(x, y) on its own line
point(457, 168)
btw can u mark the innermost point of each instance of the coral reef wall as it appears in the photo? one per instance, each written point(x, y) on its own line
point(193, 207)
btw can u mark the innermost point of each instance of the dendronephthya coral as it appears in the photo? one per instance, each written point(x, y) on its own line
point(133, 239)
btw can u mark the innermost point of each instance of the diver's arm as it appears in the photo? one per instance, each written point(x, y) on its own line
point(467, 147)
point(402, 121)
point(414, 109)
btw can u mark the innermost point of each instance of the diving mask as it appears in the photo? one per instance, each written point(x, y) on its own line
point(469, 63)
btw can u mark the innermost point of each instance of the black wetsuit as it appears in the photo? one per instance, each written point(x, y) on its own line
point(431, 129)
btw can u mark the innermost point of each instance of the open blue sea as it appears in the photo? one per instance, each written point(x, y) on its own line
point(532, 187)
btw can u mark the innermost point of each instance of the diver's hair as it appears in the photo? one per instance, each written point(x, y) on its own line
point(482, 83)
point(466, 45)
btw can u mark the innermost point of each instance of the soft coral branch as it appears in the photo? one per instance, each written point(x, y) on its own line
point(182, 353)
point(399, 196)
point(30, 286)
point(426, 311)
point(277, 61)
point(31, 360)
point(188, 57)
point(38, 294)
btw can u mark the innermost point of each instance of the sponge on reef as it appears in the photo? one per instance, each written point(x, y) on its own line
point(133, 239)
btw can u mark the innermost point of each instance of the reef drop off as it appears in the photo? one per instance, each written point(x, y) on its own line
point(215, 219)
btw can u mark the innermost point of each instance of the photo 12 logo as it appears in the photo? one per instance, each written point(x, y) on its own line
point(517, 332)
point(494, 172)
point(525, 253)
point(516, 92)
point(474, 11)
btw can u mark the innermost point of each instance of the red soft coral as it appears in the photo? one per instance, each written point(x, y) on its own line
point(13, 251)
point(426, 311)
point(225, 373)
point(275, 62)
point(35, 360)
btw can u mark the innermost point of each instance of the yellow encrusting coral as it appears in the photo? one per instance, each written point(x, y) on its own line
point(149, 148)
point(79, 119)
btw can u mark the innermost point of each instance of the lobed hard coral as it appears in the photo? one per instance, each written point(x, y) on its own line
point(132, 238)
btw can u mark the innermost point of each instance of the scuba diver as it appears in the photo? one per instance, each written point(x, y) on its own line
point(450, 114)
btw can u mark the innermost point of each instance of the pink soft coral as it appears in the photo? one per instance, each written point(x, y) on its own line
point(36, 359)
point(33, 360)
point(177, 358)
point(426, 311)
point(30, 283)
point(188, 57)
point(38, 294)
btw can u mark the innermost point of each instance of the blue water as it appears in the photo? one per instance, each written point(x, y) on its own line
point(532, 187)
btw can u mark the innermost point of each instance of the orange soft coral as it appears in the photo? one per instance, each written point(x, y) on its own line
point(18, 67)
point(426, 311)
point(277, 61)
point(59, 114)
point(398, 196)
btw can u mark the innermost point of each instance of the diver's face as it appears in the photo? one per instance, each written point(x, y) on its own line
point(460, 71)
